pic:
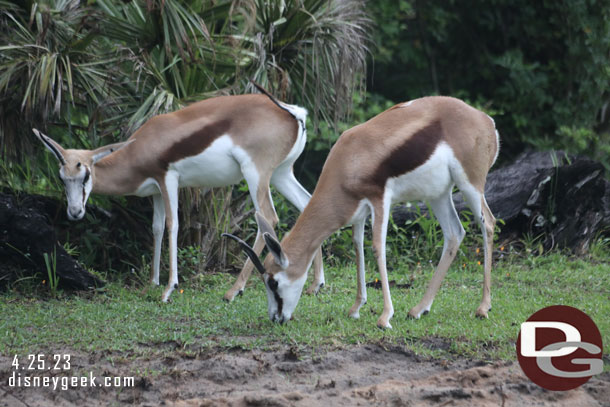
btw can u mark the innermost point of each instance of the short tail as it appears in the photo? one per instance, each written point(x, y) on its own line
point(297, 112)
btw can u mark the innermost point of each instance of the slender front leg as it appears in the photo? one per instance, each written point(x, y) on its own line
point(358, 239)
point(170, 198)
point(380, 229)
point(261, 199)
point(158, 229)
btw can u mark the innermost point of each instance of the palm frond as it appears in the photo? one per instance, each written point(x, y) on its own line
point(312, 51)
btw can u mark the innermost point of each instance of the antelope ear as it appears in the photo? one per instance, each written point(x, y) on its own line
point(102, 152)
point(53, 146)
point(275, 248)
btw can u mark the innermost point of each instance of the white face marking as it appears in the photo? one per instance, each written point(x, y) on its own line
point(286, 292)
point(78, 188)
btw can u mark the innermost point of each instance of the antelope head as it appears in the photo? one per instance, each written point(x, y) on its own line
point(283, 292)
point(77, 171)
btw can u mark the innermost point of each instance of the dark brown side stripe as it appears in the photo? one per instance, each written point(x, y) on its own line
point(194, 144)
point(410, 155)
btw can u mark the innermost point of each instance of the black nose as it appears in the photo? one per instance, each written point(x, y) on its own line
point(77, 214)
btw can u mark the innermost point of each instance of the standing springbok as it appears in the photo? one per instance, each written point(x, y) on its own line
point(212, 143)
point(413, 151)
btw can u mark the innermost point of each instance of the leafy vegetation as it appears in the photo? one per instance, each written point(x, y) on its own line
point(91, 73)
point(543, 66)
point(122, 317)
point(95, 72)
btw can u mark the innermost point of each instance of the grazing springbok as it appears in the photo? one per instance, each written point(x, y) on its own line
point(212, 143)
point(413, 151)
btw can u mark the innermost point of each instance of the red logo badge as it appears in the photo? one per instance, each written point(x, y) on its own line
point(560, 348)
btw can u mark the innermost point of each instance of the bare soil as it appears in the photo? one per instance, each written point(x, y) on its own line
point(352, 376)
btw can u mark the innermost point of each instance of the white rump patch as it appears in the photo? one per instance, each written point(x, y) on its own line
point(297, 111)
point(497, 140)
point(497, 147)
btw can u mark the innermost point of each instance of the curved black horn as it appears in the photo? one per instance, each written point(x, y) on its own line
point(249, 251)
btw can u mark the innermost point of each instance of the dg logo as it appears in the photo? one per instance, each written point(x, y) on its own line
point(560, 348)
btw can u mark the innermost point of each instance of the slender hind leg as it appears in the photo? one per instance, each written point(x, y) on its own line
point(488, 239)
point(380, 228)
point(478, 205)
point(358, 239)
point(284, 181)
point(453, 233)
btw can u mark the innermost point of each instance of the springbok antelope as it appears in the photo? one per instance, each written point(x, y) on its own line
point(212, 143)
point(413, 151)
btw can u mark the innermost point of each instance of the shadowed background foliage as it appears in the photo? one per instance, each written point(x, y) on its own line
point(91, 72)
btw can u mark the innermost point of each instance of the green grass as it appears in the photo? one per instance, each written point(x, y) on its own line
point(124, 319)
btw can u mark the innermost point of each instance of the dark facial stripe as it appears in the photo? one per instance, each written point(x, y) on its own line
point(194, 144)
point(273, 287)
point(410, 155)
point(87, 175)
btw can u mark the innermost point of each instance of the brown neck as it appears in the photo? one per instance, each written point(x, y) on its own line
point(317, 222)
point(114, 175)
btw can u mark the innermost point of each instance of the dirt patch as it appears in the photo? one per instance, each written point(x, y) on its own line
point(358, 375)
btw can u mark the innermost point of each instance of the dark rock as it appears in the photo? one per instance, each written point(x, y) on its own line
point(564, 199)
point(26, 235)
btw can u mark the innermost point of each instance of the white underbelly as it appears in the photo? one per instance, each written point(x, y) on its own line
point(214, 167)
point(428, 181)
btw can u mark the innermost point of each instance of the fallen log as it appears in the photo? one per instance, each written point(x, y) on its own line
point(26, 235)
point(564, 200)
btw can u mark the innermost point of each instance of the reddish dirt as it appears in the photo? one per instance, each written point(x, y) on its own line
point(357, 375)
